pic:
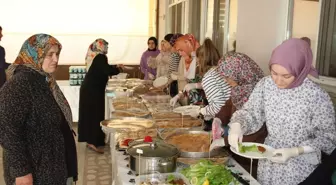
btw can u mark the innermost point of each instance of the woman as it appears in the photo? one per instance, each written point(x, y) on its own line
point(148, 55)
point(242, 73)
point(3, 64)
point(187, 46)
point(161, 62)
point(174, 61)
point(35, 119)
point(92, 96)
point(299, 116)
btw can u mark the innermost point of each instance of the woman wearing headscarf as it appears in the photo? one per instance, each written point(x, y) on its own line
point(92, 96)
point(161, 62)
point(242, 73)
point(299, 116)
point(35, 119)
point(147, 56)
point(186, 46)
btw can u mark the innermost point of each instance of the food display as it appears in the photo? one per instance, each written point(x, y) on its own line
point(190, 142)
point(205, 173)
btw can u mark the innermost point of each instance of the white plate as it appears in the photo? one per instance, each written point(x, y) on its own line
point(160, 81)
point(185, 109)
point(254, 155)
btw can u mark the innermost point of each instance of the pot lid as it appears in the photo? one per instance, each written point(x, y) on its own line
point(153, 149)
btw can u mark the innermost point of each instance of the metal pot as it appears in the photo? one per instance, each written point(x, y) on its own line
point(156, 157)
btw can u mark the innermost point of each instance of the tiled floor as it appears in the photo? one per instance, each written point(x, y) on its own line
point(93, 168)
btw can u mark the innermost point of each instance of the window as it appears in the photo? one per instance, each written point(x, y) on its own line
point(215, 23)
point(176, 17)
point(326, 51)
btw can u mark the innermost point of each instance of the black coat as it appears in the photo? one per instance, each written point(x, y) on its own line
point(92, 101)
point(3, 66)
point(30, 134)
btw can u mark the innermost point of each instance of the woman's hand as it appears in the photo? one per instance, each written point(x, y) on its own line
point(24, 180)
point(231, 82)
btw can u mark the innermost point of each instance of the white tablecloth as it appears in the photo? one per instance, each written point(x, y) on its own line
point(120, 176)
point(71, 93)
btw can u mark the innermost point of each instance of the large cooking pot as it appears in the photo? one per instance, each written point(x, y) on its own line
point(156, 157)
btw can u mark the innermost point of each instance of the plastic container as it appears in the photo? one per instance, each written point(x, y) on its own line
point(160, 179)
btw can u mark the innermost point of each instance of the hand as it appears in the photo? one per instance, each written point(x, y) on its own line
point(217, 143)
point(151, 76)
point(24, 180)
point(190, 86)
point(173, 101)
point(231, 82)
point(121, 66)
point(282, 155)
point(217, 130)
point(235, 135)
point(173, 76)
point(193, 113)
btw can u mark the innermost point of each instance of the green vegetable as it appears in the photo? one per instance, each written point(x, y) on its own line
point(170, 178)
point(251, 148)
point(206, 170)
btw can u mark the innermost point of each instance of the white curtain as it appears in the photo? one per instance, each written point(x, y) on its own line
point(76, 24)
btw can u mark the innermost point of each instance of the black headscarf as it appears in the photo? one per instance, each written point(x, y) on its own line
point(155, 42)
point(168, 37)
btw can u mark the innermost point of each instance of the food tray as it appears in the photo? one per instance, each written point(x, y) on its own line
point(126, 106)
point(178, 123)
point(187, 154)
point(155, 177)
point(156, 98)
point(137, 114)
point(128, 122)
point(168, 115)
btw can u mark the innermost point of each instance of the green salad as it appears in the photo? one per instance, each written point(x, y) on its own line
point(251, 148)
point(205, 172)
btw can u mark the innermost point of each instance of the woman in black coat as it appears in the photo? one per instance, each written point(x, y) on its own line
point(35, 119)
point(92, 96)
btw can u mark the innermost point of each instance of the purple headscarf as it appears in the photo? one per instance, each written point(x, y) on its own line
point(296, 56)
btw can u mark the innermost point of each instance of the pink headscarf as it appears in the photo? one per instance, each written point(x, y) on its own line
point(296, 56)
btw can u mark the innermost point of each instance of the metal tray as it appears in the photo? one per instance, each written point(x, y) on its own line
point(193, 154)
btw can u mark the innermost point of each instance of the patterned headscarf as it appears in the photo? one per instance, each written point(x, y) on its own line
point(32, 54)
point(297, 57)
point(244, 71)
point(99, 46)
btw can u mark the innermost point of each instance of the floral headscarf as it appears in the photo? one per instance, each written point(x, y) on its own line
point(243, 70)
point(31, 55)
point(99, 46)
